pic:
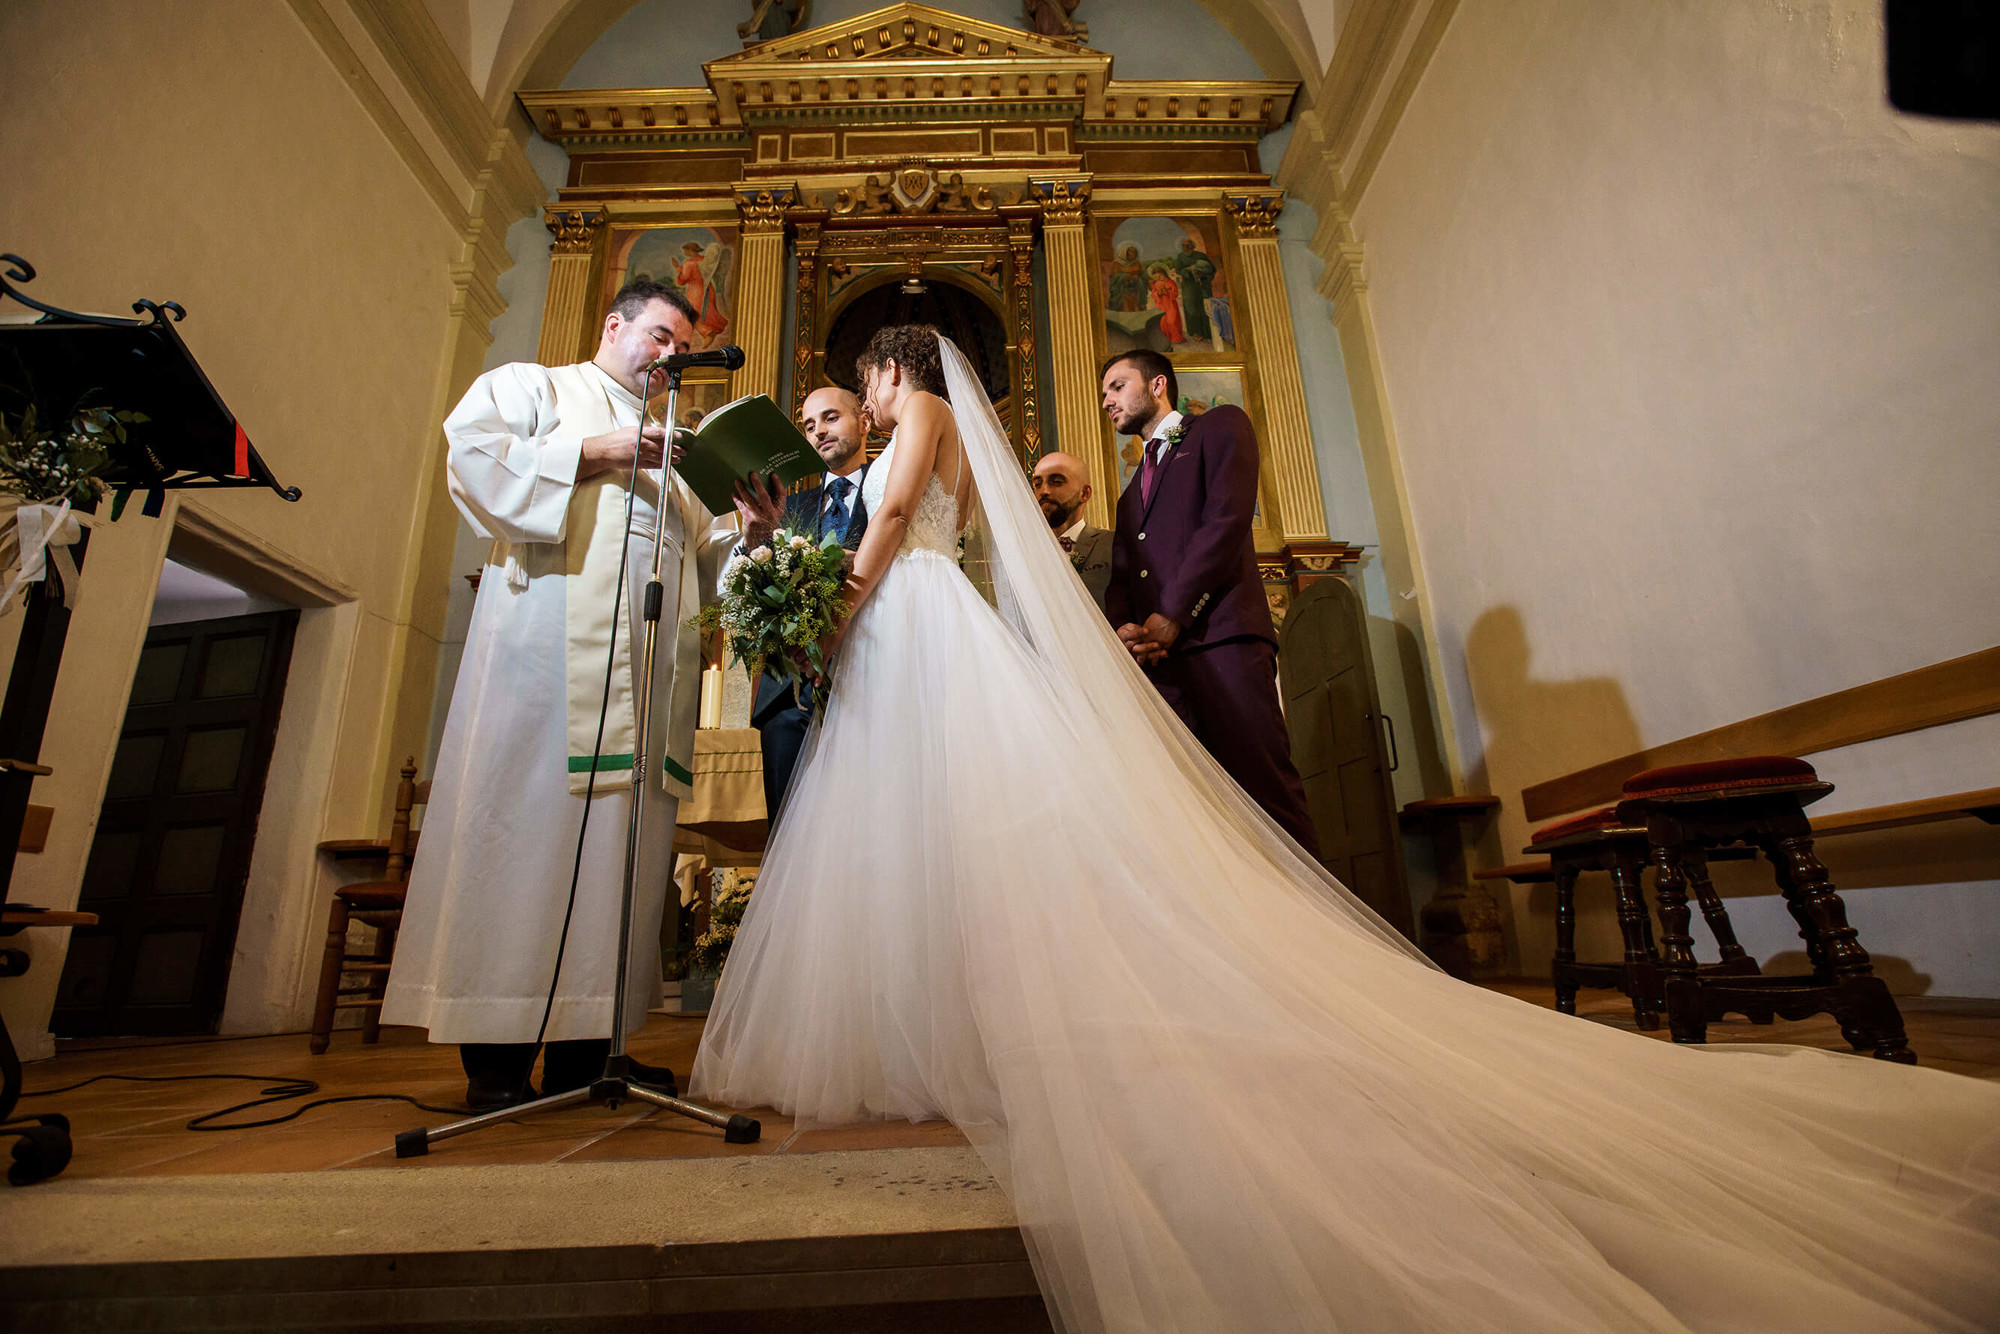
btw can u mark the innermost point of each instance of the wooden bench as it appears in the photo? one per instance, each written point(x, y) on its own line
point(1983, 804)
point(1946, 692)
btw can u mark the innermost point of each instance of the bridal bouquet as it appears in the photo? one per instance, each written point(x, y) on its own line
point(778, 602)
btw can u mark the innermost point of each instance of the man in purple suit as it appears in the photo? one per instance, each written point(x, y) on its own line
point(1184, 590)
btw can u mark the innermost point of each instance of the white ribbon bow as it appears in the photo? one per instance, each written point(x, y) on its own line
point(31, 536)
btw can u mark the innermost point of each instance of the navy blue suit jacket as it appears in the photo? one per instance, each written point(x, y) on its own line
point(803, 511)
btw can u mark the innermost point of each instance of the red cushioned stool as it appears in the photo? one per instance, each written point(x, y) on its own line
point(1602, 841)
point(1691, 812)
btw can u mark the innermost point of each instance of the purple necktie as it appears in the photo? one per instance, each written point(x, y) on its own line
point(1147, 467)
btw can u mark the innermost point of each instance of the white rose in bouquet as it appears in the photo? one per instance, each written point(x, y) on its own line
point(799, 543)
point(762, 555)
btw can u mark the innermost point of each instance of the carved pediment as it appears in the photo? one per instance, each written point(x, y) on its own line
point(897, 32)
point(903, 62)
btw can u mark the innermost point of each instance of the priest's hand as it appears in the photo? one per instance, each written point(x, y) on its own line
point(613, 450)
point(760, 507)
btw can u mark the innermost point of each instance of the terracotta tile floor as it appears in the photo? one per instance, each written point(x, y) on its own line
point(127, 1129)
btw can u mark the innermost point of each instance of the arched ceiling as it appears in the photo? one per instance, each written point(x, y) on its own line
point(541, 39)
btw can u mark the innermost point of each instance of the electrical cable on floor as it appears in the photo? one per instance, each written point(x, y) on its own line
point(282, 1089)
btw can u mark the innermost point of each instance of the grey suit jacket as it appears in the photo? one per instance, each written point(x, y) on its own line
point(1091, 555)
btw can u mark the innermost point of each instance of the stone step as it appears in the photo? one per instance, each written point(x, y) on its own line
point(898, 1239)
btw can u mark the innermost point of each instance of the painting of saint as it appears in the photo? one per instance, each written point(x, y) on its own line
point(1128, 280)
point(1165, 287)
point(697, 260)
point(1196, 272)
point(1166, 295)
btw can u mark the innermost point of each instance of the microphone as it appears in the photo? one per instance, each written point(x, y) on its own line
point(729, 358)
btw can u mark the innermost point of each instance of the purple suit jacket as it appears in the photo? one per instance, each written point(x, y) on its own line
point(1188, 552)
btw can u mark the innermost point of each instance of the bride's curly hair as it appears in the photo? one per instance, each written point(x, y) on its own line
point(914, 349)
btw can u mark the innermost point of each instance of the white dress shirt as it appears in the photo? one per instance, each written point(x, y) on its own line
point(1073, 533)
point(1158, 441)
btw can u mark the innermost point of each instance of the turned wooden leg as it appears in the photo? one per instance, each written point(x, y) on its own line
point(1682, 990)
point(1642, 983)
point(1867, 1012)
point(378, 984)
point(1560, 970)
point(329, 976)
point(1695, 862)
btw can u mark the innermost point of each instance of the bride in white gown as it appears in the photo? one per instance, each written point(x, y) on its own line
point(1221, 1093)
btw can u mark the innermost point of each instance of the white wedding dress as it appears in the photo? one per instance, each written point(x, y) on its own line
point(1221, 1094)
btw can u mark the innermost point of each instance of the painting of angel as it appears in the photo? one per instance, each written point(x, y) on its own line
point(700, 261)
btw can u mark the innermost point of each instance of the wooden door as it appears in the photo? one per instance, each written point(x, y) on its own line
point(1328, 682)
point(172, 851)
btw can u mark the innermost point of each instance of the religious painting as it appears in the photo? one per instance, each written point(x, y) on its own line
point(1199, 391)
point(698, 399)
point(700, 261)
point(1164, 288)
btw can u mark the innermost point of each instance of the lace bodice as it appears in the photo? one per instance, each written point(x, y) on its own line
point(934, 527)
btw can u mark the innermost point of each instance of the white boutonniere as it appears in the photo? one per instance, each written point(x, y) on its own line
point(1175, 432)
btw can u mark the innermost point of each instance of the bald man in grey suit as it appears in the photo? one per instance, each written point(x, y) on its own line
point(1061, 490)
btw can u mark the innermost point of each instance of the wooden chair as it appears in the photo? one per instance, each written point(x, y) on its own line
point(379, 904)
point(1603, 841)
point(1690, 810)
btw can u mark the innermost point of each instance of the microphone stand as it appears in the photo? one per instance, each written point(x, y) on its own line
point(615, 1084)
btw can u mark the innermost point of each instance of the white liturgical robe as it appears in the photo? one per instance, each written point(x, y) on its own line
point(490, 885)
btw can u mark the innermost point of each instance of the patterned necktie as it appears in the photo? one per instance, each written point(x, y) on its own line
point(838, 487)
point(1149, 465)
point(1068, 544)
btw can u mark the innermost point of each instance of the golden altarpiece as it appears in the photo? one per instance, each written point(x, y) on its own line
point(912, 163)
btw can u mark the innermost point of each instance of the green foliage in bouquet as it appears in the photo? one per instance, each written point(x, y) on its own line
point(46, 467)
point(779, 602)
point(724, 916)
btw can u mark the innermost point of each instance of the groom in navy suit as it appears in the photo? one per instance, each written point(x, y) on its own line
point(1185, 594)
point(831, 418)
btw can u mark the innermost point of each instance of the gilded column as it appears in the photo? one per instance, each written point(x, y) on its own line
point(760, 286)
point(805, 321)
point(1081, 428)
point(1021, 301)
point(1288, 452)
point(568, 323)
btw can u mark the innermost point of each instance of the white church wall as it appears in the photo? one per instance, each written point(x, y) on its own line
point(316, 272)
point(1688, 339)
point(516, 332)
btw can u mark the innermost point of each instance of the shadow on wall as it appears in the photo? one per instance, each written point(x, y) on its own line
point(1535, 730)
point(1419, 742)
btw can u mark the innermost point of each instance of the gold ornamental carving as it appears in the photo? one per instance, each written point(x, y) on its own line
point(1027, 394)
point(914, 188)
point(1256, 215)
point(575, 230)
point(806, 313)
point(763, 206)
point(1062, 197)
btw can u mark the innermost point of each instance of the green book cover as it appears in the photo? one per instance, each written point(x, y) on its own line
point(737, 439)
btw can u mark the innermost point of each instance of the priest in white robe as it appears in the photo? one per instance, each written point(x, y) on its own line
point(539, 460)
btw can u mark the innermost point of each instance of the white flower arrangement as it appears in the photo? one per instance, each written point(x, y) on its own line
point(777, 605)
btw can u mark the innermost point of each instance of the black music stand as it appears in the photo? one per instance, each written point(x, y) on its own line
point(191, 440)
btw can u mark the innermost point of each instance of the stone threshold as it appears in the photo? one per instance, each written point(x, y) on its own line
point(858, 1240)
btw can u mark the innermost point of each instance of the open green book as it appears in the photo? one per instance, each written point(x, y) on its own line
point(737, 439)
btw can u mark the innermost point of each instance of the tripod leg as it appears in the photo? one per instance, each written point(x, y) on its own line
point(736, 1129)
point(416, 1143)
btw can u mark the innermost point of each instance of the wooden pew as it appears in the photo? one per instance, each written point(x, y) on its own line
point(1945, 692)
